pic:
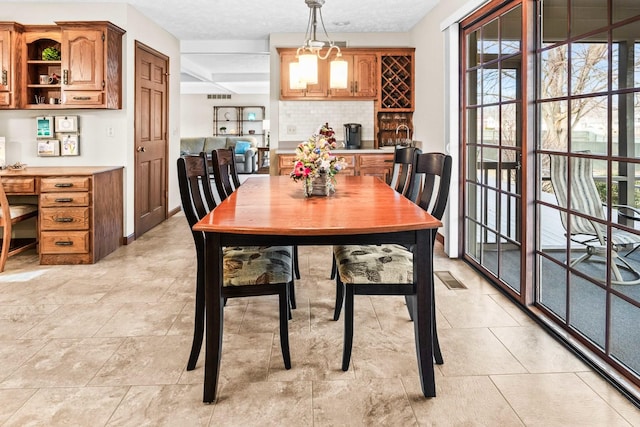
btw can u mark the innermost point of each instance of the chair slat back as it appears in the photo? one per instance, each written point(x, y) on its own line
point(404, 159)
point(224, 171)
point(431, 182)
point(195, 188)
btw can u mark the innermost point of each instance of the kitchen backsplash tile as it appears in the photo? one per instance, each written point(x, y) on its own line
point(300, 119)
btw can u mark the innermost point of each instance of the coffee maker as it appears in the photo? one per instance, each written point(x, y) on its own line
point(352, 135)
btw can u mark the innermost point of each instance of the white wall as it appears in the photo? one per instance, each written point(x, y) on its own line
point(96, 148)
point(196, 113)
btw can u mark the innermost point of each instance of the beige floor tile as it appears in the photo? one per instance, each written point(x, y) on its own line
point(281, 404)
point(475, 352)
point(612, 396)
point(141, 319)
point(16, 320)
point(148, 291)
point(537, 351)
point(169, 405)
point(13, 399)
point(556, 400)
point(84, 406)
point(465, 310)
point(73, 321)
point(384, 354)
point(461, 401)
point(520, 316)
point(63, 363)
point(145, 361)
point(361, 403)
point(14, 353)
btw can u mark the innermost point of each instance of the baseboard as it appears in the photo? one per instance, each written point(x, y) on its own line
point(174, 211)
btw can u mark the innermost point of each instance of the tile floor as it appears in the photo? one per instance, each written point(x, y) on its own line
point(107, 344)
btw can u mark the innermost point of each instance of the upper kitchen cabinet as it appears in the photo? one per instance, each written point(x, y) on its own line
point(319, 90)
point(71, 65)
point(91, 64)
point(397, 80)
point(10, 49)
point(362, 77)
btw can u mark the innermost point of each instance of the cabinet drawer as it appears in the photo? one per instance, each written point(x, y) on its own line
point(64, 199)
point(64, 242)
point(376, 160)
point(65, 183)
point(82, 98)
point(19, 185)
point(64, 218)
point(5, 99)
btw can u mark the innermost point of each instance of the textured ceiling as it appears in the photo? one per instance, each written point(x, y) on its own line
point(234, 20)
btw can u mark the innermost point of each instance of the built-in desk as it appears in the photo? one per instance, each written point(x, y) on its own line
point(80, 216)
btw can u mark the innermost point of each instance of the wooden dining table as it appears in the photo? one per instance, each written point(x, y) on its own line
point(274, 211)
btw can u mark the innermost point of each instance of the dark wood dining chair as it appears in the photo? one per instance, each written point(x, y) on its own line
point(400, 179)
point(11, 214)
point(388, 269)
point(227, 181)
point(248, 271)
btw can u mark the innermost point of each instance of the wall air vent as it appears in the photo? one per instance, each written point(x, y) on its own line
point(219, 96)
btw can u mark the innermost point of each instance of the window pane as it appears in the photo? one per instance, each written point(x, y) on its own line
point(473, 49)
point(626, 56)
point(625, 125)
point(490, 41)
point(554, 125)
point(587, 305)
point(587, 16)
point(490, 86)
point(510, 78)
point(510, 126)
point(589, 66)
point(553, 287)
point(473, 87)
point(511, 35)
point(491, 125)
point(473, 125)
point(554, 72)
point(554, 21)
point(472, 169)
point(624, 333)
point(623, 9)
point(589, 125)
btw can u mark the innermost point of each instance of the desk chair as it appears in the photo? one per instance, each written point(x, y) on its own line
point(10, 215)
point(248, 271)
point(227, 181)
point(388, 269)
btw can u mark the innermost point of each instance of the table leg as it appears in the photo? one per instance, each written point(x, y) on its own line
point(422, 323)
point(214, 315)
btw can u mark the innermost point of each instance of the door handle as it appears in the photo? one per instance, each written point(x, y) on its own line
point(141, 149)
point(65, 77)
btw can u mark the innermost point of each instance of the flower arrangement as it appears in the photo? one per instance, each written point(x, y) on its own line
point(313, 157)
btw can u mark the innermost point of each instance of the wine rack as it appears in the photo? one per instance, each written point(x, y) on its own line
point(396, 82)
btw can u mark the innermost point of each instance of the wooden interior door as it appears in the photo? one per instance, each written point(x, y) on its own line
point(150, 138)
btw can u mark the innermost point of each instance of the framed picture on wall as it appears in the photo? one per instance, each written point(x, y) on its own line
point(69, 145)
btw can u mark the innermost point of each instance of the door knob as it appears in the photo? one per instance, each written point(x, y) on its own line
point(141, 149)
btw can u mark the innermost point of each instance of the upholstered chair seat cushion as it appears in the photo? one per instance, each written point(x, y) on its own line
point(246, 266)
point(372, 264)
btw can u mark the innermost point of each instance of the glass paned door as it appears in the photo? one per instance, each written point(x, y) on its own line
point(492, 135)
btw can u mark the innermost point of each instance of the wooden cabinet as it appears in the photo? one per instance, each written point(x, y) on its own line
point(10, 73)
point(88, 73)
point(80, 210)
point(362, 77)
point(319, 90)
point(375, 164)
point(91, 64)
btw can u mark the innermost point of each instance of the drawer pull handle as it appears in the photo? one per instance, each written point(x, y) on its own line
point(65, 77)
point(64, 219)
point(64, 185)
point(64, 200)
point(63, 243)
point(82, 98)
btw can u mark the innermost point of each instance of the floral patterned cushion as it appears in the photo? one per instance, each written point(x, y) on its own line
point(245, 266)
point(371, 264)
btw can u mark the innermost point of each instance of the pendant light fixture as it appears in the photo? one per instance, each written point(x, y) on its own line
point(305, 71)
